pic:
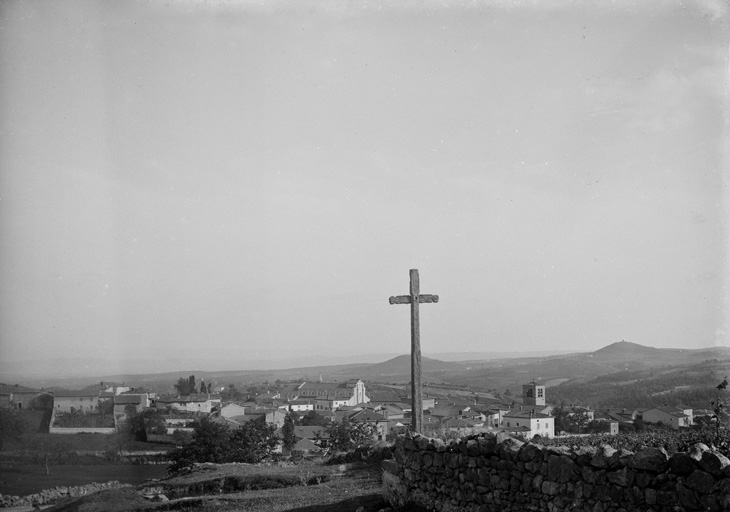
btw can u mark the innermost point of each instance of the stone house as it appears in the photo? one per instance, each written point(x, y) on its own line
point(18, 397)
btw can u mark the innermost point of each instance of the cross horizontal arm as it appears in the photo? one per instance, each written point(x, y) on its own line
point(406, 299)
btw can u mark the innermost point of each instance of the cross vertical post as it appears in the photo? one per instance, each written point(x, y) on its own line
point(416, 390)
point(414, 299)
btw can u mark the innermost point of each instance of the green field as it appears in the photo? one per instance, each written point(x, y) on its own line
point(23, 479)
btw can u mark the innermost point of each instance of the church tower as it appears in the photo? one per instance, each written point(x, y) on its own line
point(533, 394)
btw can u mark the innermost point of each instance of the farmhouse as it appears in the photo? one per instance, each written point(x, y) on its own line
point(675, 417)
point(201, 402)
point(70, 401)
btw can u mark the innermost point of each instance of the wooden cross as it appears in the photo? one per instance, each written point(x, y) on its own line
point(414, 299)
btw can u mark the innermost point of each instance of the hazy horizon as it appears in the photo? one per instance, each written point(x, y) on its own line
point(252, 181)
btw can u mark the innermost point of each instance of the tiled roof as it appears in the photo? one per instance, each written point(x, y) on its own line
point(384, 396)
point(673, 411)
point(516, 413)
point(305, 445)
point(300, 401)
point(83, 393)
point(184, 399)
point(323, 386)
point(367, 415)
point(128, 399)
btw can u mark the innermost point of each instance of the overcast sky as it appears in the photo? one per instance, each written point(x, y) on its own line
point(255, 179)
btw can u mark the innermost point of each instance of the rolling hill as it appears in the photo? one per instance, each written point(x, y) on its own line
point(616, 373)
point(621, 373)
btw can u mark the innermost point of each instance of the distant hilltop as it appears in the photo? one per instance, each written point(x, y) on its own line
point(625, 348)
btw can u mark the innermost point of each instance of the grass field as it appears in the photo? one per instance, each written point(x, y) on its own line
point(23, 479)
point(84, 443)
point(350, 488)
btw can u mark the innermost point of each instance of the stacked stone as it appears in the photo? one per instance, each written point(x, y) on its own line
point(52, 495)
point(496, 472)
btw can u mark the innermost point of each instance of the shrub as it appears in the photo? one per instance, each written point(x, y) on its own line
point(350, 434)
point(215, 442)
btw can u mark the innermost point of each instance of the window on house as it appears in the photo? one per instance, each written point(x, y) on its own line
point(539, 392)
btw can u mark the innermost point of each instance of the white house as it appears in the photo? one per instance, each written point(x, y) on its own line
point(301, 405)
point(528, 423)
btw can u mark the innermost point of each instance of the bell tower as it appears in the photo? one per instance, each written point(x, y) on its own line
point(533, 394)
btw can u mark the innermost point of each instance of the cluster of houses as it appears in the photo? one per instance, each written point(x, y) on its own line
point(388, 411)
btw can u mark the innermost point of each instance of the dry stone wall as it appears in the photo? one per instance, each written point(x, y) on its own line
point(498, 473)
point(52, 495)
